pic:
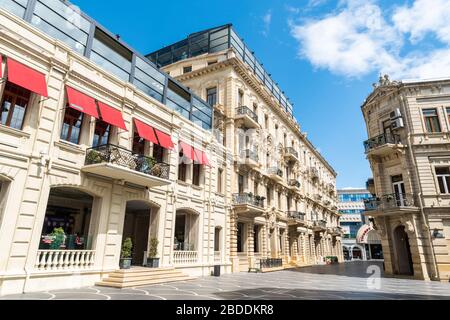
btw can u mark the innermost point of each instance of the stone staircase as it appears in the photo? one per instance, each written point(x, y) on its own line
point(139, 276)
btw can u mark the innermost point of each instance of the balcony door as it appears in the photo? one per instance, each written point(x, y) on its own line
point(240, 184)
point(398, 187)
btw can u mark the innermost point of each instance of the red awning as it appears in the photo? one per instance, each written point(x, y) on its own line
point(111, 115)
point(188, 150)
point(26, 77)
point(81, 102)
point(145, 131)
point(164, 139)
point(198, 156)
point(205, 160)
point(1, 73)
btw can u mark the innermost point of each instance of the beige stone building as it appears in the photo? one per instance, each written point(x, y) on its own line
point(90, 137)
point(408, 150)
point(283, 192)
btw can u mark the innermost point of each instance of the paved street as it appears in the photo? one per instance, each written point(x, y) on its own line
point(343, 281)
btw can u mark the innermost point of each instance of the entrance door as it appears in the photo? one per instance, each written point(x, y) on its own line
point(136, 227)
point(403, 252)
point(399, 190)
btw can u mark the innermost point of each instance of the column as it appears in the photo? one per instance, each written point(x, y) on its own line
point(233, 242)
point(250, 244)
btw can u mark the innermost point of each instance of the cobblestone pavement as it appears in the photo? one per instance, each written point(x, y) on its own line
point(349, 280)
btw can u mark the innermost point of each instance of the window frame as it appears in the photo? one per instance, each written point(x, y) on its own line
point(68, 137)
point(15, 96)
point(426, 120)
point(445, 183)
point(107, 130)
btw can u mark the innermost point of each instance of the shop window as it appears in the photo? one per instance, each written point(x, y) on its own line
point(71, 129)
point(14, 104)
point(101, 133)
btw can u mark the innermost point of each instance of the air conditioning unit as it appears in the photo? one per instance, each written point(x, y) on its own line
point(396, 119)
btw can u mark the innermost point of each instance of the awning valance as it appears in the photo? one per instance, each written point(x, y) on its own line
point(164, 139)
point(145, 131)
point(194, 154)
point(188, 151)
point(111, 115)
point(26, 77)
point(81, 102)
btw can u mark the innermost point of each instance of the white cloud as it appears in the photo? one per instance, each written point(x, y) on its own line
point(358, 39)
point(267, 20)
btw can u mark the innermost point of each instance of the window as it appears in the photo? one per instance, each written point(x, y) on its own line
point(279, 200)
point(210, 63)
point(211, 96)
point(255, 108)
point(269, 195)
point(255, 188)
point(197, 169)
point(431, 120)
point(187, 69)
point(448, 114)
point(138, 144)
point(240, 98)
point(256, 236)
point(101, 133)
point(71, 129)
point(182, 168)
point(14, 104)
point(266, 121)
point(240, 183)
point(240, 237)
point(220, 180)
point(158, 153)
point(443, 177)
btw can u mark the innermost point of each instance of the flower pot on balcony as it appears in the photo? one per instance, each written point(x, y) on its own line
point(125, 263)
point(152, 262)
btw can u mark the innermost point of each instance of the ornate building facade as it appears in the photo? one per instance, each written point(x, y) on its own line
point(91, 138)
point(283, 192)
point(408, 150)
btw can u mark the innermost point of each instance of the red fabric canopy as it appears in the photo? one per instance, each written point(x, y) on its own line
point(26, 77)
point(188, 150)
point(1, 73)
point(81, 102)
point(205, 160)
point(111, 115)
point(198, 156)
point(145, 131)
point(164, 139)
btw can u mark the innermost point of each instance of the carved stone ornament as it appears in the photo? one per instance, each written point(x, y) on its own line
point(409, 225)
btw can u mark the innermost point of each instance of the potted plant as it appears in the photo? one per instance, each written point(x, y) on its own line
point(125, 260)
point(58, 238)
point(152, 261)
point(93, 157)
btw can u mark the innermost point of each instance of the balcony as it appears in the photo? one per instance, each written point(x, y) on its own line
point(290, 154)
point(121, 164)
point(336, 231)
point(251, 158)
point(319, 225)
point(248, 117)
point(294, 184)
point(313, 173)
point(391, 202)
point(370, 185)
point(246, 204)
point(275, 173)
point(382, 144)
point(296, 218)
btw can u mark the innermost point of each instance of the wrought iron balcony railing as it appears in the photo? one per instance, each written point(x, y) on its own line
point(252, 155)
point(270, 263)
point(381, 140)
point(275, 171)
point(296, 215)
point(113, 154)
point(291, 151)
point(249, 199)
point(390, 201)
point(294, 183)
point(320, 223)
point(314, 173)
point(246, 111)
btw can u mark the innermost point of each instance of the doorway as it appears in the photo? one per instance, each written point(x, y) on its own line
point(403, 252)
point(398, 187)
point(137, 224)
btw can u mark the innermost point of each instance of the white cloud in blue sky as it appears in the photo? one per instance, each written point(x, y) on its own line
point(267, 20)
point(360, 37)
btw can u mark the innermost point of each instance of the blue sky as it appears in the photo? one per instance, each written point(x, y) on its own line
point(324, 54)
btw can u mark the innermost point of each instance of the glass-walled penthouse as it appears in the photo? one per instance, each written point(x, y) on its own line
point(63, 21)
point(215, 40)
